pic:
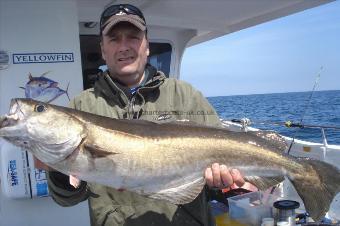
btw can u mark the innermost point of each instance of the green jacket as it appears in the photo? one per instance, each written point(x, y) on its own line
point(158, 99)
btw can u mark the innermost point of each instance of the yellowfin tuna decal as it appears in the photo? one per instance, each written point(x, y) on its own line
point(43, 89)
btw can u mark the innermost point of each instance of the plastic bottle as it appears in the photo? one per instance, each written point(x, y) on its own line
point(286, 211)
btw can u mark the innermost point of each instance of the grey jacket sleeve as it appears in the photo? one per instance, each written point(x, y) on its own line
point(197, 107)
point(205, 111)
point(62, 192)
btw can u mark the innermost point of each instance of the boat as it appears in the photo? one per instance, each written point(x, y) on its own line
point(58, 40)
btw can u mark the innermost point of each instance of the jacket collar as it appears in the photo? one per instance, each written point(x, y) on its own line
point(114, 90)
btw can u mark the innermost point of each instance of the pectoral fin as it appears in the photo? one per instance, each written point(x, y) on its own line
point(96, 151)
point(181, 194)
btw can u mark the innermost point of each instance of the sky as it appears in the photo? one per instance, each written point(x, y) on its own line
point(283, 55)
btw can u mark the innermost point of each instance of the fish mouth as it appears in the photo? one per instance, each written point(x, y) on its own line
point(14, 116)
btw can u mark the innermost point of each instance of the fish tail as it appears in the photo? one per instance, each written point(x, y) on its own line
point(317, 186)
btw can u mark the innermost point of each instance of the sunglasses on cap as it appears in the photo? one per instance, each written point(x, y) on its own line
point(117, 9)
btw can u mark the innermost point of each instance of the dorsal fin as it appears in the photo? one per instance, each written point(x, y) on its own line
point(45, 73)
point(271, 139)
point(184, 122)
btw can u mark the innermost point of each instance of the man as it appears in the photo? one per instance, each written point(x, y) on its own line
point(129, 89)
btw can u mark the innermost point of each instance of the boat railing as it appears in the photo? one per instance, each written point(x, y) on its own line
point(244, 125)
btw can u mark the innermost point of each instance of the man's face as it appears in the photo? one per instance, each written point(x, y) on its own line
point(125, 50)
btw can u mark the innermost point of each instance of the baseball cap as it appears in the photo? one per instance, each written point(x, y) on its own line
point(115, 14)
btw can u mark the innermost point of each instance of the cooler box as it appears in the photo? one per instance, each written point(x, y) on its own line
point(250, 208)
point(19, 178)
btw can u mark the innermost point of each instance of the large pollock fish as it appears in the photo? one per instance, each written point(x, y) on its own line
point(161, 161)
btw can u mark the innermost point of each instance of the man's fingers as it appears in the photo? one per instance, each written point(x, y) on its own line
point(74, 181)
point(237, 177)
point(209, 177)
point(226, 177)
point(219, 176)
point(216, 173)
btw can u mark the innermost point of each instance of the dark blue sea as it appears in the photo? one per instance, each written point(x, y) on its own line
point(266, 110)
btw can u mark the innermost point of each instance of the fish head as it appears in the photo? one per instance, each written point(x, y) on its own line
point(47, 131)
point(41, 82)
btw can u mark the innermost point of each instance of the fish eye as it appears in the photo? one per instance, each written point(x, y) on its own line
point(40, 108)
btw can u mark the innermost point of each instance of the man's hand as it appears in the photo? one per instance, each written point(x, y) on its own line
point(75, 182)
point(219, 176)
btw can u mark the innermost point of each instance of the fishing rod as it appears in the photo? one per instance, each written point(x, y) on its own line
point(288, 124)
point(246, 122)
point(306, 108)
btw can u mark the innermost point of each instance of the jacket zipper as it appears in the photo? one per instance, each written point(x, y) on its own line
point(131, 107)
point(131, 104)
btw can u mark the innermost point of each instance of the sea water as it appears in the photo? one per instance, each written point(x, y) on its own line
point(265, 110)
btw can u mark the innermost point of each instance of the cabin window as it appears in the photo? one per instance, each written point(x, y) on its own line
point(91, 60)
point(160, 56)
